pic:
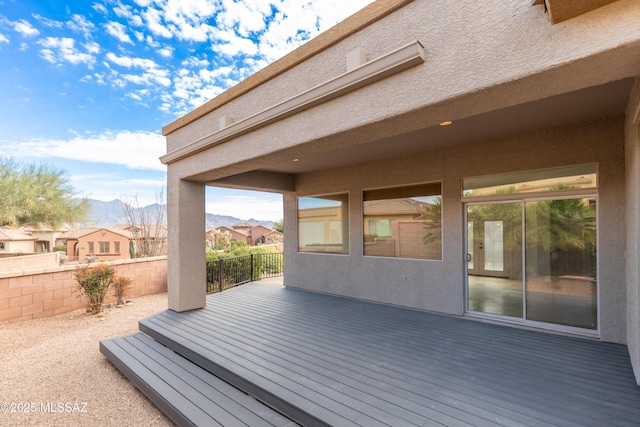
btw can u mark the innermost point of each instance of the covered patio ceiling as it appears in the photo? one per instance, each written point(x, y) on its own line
point(607, 99)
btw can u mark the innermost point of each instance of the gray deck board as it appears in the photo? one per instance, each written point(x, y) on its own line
point(185, 392)
point(337, 361)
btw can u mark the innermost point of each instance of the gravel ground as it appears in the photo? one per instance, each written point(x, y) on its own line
point(53, 366)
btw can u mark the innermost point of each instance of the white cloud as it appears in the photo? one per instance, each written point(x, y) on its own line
point(60, 49)
point(154, 23)
point(244, 204)
point(166, 52)
point(25, 28)
point(247, 17)
point(100, 8)
point(230, 44)
point(3, 38)
point(129, 62)
point(79, 23)
point(123, 10)
point(135, 150)
point(151, 42)
point(143, 3)
point(118, 31)
point(50, 23)
point(135, 96)
point(152, 74)
point(136, 20)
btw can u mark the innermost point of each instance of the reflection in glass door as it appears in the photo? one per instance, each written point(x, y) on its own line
point(494, 258)
point(558, 245)
point(561, 262)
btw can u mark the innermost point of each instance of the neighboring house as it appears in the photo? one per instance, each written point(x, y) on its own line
point(16, 241)
point(523, 118)
point(103, 243)
point(250, 234)
point(47, 236)
point(235, 235)
point(261, 235)
point(149, 239)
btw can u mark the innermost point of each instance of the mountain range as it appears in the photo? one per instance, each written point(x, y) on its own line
point(108, 214)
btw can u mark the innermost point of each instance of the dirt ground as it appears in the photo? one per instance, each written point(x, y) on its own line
point(53, 374)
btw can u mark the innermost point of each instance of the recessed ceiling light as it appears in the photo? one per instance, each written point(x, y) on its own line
point(446, 123)
point(296, 160)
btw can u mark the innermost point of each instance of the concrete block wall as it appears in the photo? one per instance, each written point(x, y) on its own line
point(53, 291)
point(29, 262)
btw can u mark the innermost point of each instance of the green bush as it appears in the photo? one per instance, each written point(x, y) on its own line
point(236, 265)
point(60, 248)
point(94, 282)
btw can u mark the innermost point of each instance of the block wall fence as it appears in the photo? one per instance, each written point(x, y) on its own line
point(53, 291)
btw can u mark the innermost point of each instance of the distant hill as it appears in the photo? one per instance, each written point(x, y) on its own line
point(108, 214)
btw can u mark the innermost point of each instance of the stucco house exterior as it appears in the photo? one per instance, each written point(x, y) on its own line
point(47, 236)
point(519, 120)
point(103, 243)
point(15, 241)
point(250, 234)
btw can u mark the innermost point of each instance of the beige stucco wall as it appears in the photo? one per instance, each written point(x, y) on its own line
point(438, 285)
point(632, 158)
point(508, 54)
point(18, 246)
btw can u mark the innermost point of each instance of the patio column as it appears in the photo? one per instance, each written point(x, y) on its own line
point(186, 264)
point(632, 170)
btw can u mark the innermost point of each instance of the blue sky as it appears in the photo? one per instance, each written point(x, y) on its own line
point(87, 85)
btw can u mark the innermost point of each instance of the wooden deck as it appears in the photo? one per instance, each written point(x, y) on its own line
point(324, 360)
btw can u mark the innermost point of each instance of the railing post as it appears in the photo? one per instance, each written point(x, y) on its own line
point(220, 274)
point(251, 268)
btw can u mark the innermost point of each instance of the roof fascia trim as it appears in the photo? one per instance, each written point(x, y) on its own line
point(394, 62)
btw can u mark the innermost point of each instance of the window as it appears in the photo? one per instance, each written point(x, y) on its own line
point(567, 178)
point(380, 227)
point(403, 222)
point(104, 247)
point(1, 245)
point(91, 248)
point(323, 224)
point(116, 247)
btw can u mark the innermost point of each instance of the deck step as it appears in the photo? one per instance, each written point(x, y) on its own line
point(186, 393)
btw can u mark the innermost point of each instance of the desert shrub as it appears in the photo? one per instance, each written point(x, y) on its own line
point(60, 248)
point(90, 259)
point(94, 282)
point(121, 286)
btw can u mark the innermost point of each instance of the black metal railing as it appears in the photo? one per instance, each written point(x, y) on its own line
point(225, 273)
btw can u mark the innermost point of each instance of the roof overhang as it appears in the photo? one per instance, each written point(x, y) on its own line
point(561, 10)
point(277, 171)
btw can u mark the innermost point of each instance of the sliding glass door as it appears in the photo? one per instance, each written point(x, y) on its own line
point(555, 239)
point(494, 258)
point(561, 262)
